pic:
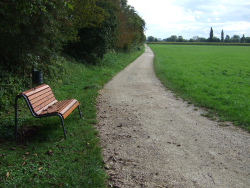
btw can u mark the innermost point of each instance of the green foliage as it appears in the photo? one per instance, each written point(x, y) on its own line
point(211, 35)
point(87, 14)
point(94, 41)
point(151, 39)
point(33, 34)
point(208, 76)
point(12, 83)
point(222, 36)
point(130, 29)
point(43, 158)
point(10, 86)
point(35, 28)
point(121, 29)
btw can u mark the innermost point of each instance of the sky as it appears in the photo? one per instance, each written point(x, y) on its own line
point(189, 18)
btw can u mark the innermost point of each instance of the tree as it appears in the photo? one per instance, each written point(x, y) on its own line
point(211, 35)
point(96, 37)
point(242, 40)
point(180, 39)
point(235, 38)
point(222, 36)
point(173, 38)
point(87, 14)
point(247, 39)
point(195, 38)
point(150, 39)
point(31, 32)
point(120, 28)
point(202, 39)
point(227, 39)
point(215, 39)
point(130, 28)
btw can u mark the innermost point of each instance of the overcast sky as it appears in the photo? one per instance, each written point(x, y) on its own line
point(194, 17)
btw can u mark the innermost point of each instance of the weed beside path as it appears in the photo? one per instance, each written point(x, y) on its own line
point(43, 158)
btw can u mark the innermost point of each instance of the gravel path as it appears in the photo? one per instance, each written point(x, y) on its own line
point(150, 138)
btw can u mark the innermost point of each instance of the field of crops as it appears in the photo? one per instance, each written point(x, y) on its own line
point(215, 77)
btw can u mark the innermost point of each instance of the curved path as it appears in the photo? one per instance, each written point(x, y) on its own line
point(150, 138)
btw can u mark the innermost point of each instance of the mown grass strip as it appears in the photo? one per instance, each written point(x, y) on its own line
point(215, 77)
point(43, 158)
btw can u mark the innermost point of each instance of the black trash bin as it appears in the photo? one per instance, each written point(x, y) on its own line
point(37, 77)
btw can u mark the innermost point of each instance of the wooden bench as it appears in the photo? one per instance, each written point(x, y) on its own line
point(42, 103)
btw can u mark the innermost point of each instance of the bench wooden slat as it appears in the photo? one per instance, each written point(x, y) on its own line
point(44, 105)
point(62, 107)
point(35, 90)
point(42, 99)
point(40, 112)
point(45, 99)
point(69, 110)
point(71, 103)
point(37, 94)
point(58, 107)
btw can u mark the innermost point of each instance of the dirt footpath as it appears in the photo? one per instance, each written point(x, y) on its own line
point(152, 139)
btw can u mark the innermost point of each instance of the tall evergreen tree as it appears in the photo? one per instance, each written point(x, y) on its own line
point(211, 35)
point(222, 36)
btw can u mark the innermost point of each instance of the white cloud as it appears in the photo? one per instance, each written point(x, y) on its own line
point(215, 13)
point(190, 17)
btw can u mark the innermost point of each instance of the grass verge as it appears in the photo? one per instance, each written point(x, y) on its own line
point(215, 77)
point(43, 158)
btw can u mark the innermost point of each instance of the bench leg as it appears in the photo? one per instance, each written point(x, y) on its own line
point(80, 111)
point(64, 131)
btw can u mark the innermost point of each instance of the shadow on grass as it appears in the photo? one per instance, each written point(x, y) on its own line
point(31, 129)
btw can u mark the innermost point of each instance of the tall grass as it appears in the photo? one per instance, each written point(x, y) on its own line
point(215, 77)
point(43, 158)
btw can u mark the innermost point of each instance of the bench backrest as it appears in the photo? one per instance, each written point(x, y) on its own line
point(40, 98)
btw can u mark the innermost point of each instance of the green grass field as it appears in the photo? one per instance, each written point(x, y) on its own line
point(214, 77)
point(43, 158)
point(200, 43)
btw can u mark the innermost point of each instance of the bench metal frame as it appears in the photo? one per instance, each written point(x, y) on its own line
point(38, 116)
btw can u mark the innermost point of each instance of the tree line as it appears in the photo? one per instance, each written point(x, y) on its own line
point(211, 38)
point(39, 33)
